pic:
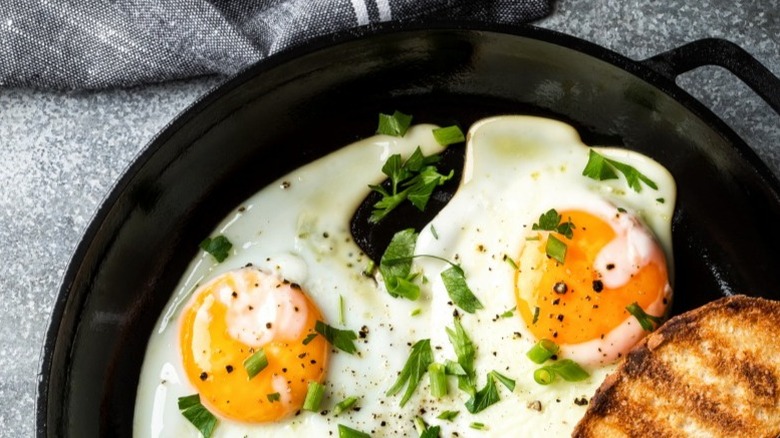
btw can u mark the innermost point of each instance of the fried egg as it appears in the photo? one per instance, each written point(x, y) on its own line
point(291, 267)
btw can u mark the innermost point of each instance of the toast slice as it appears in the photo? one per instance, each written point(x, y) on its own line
point(710, 372)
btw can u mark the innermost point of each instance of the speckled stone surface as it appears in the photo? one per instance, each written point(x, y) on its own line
point(61, 153)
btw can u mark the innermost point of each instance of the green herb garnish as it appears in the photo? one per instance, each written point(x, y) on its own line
point(536, 315)
point(647, 322)
point(455, 282)
point(419, 360)
point(348, 432)
point(412, 180)
point(555, 248)
point(309, 338)
point(448, 415)
point(274, 397)
point(466, 353)
point(255, 363)
point(341, 309)
point(395, 124)
point(488, 395)
point(341, 339)
point(567, 369)
point(542, 351)
point(448, 135)
point(200, 417)
point(218, 247)
point(344, 405)
point(511, 262)
point(601, 168)
point(396, 265)
point(551, 221)
point(508, 313)
point(438, 374)
point(431, 432)
point(314, 395)
point(478, 426)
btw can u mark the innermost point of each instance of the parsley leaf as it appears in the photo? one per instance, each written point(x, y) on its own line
point(488, 395)
point(551, 221)
point(431, 432)
point(197, 414)
point(396, 265)
point(454, 281)
point(601, 168)
point(466, 353)
point(415, 179)
point(419, 360)
point(484, 398)
point(218, 247)
point(395, 124)
point(341, 339)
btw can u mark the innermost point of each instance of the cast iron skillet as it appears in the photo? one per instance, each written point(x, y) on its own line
point(271, 119)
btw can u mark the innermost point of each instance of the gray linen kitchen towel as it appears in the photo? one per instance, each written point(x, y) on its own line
point(88, 44)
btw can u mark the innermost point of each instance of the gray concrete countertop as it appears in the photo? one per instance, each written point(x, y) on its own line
point(62, 152)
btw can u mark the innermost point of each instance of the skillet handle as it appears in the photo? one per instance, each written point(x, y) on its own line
point(723, 53)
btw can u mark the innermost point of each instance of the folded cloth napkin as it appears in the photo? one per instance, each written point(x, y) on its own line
point(88, 44)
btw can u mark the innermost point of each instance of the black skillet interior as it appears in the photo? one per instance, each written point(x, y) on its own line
point(302, 104)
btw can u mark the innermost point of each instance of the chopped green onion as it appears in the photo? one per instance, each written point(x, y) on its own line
point(448, 135)
point(508, 313)
point(348, 432)
point(343, 405)
point(542, 351)
point(567, 369)
point(341, 310)
point(511, 262)
point(448, 415)
point(200, 417)
point(416, 312)
point(532, 238)
point(437, 373)
point(544, 376)
point(255, 363)
point(370, 268)
point(218, 247)
point(419, 425)
point(435, 234)
point(646, 321)
point(274, 397)
point(396, 124)
point(555, 248)
point(478, 426)
point(314, 396)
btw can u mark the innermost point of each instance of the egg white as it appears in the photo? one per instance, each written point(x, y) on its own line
point(299, 227)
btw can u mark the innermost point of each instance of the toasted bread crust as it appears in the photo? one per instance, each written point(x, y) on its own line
point(713, 371)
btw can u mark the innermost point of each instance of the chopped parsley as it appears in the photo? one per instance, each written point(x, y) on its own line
point(466, 353)
point(488, 395)
point(218, 247)
point(395, 124)
point(200, 417)
point(419, 360)
point(396, 265)
point(551, 221)
point(274, 397)
point(310, 337)
point(413, 180)
point(341, 339)
point(454, 280)
point(602, 168)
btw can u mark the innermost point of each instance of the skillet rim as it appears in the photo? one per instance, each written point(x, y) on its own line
point(67, 299)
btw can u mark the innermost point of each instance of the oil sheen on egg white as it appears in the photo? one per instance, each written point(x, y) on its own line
point(500, 317)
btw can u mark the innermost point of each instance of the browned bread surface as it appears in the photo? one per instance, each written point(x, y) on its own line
point(710, 372)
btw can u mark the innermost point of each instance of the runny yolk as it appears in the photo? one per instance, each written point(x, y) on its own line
point(232, 317)
point(606, 268)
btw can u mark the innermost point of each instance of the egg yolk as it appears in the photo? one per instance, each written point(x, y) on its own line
point(608, 265)
point(233, 317)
